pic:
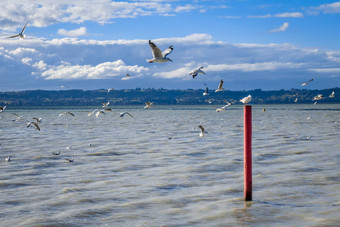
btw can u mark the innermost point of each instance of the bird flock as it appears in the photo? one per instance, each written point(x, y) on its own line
point(158, 57)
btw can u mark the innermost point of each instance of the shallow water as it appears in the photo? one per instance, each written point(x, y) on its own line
point(134, 175)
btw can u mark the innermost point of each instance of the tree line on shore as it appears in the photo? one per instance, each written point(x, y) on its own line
point(161, 96)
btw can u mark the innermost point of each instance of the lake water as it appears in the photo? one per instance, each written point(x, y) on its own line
point(127, 172)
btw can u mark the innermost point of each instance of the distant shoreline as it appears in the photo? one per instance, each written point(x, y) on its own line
point(138, 96)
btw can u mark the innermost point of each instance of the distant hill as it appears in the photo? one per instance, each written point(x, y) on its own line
point(160, 96)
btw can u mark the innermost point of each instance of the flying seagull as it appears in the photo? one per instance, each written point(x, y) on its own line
point(2, 108)
point(158, 56)
point(105, 104)
point(202, 131)
point(148, 105)
point(19, 118)
point(305, 83)
point(33, 123)
point(100, 112)
point(21, 34)
point(66, 113)
point(245, 100)
point(332, 95)
point(110, 89)
point(196, 72)
point(70, 160)
point(8, 159)
point(220, 87)
point(56, 153)
point(37, 120)
point(206, 91)
point(223, 107)
point(123, 113)
point(318, 97)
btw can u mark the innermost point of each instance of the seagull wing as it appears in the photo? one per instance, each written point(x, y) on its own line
point(69, 113)
point(13, 36)
point(206, 90)
point(167, 51)
point(201, 127)
point(23, 29)
point(220, 85)
point(129, 114)
point(156, 52)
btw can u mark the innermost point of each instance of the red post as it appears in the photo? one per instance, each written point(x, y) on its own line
point(247, 154)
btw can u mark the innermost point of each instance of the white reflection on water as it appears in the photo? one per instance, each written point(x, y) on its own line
point(134, 175)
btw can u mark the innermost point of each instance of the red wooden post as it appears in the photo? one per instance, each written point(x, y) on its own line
point(247, 154)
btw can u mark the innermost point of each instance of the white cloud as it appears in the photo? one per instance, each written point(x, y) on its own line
point(76, 32)
point(21, 50)
point(326, 70)
point(282, 28)
point(26, 61)
point(328, 8)
point(282, 15)
point(100, 71)
point(42, 13)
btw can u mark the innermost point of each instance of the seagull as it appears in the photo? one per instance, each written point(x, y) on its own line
point(56, 153)
point(66, 113)
point(223, 107)
point(318, 97)
point(245, 100)
point(202, 131)
point(37, 120)
point(123, 113)
point(158, 56)
point(196, 72)
point(128, 75)
point(8, 159)
point(21, 34)
point(2, 108)
point(148, 105)
point(305, 83)
point(33, 123)
point(19, 118)
point(105, 104)
point(91, 113)
point(332, 95)
point(220, 87)
point(206, 91)
point(70, 160)
point(110, 89)
point(296, 99)
point(68, 148)
point(99, 112)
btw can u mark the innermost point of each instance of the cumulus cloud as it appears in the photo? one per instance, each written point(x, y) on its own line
point(76, 32)
point(100, 71)
point(76, 59)
point(282, 28)
point(42, 13)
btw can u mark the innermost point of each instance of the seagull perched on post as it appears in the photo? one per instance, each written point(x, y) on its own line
point(196, 72)
point(220, 87)
point(158, 56)
point(245, 100)
point(21, 34)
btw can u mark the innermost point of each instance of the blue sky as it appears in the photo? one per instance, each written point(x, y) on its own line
point(86, 44)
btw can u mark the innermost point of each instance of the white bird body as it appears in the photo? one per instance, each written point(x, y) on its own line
point(202, 131)
point(245, 100)
point(307, 82)
point(158, 56)
point(8, 159)
point(196, 72)
point(332, 95)
point(318, 97)
point(220, 87)
point(110, 89)
point(206, 91)
point(105, 104)
point(21, 34)
point(148, 105)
